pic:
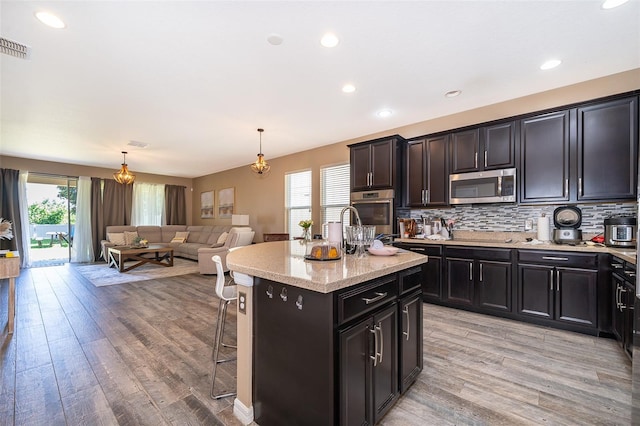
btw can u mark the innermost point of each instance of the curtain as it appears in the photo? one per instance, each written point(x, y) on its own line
point(25, 260)
point(82, 248)
point(10, 208)
point(148, 204)
point(97, 217)
point(117, 199)
point(175, 205)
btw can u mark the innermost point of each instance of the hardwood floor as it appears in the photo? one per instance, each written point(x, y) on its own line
point(140, 353)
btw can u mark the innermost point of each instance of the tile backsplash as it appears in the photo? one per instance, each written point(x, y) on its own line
point(511, 218)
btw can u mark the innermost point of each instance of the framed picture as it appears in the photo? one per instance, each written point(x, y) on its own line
point(226, 198)
point(206, 205)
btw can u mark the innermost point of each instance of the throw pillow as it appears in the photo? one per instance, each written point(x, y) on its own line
point(178, 240)
point(182, 234)
point(223, 237)
point(116, 238)
point(217, 245)
point(130, 236)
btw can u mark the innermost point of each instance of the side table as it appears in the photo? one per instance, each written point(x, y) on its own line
point(10, 268)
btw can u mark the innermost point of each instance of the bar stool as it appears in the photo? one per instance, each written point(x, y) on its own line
point(227, 294)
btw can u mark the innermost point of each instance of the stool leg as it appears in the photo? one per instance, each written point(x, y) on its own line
point(222, 313)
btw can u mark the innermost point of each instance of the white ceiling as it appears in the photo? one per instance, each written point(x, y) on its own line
point(195, 80)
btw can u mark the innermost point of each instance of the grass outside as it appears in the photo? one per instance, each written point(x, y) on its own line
point(45, 243)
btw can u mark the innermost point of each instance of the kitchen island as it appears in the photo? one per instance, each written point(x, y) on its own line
point(311, 334)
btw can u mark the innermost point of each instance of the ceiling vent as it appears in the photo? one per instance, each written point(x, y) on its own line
point(13, 48)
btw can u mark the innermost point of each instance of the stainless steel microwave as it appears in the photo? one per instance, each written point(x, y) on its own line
point(491, 186)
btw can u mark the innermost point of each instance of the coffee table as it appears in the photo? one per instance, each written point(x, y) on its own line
point(161, 255)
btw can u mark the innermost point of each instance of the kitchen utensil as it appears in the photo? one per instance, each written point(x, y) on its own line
point(567, 220)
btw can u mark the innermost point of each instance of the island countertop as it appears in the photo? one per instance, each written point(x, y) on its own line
point(284, 262)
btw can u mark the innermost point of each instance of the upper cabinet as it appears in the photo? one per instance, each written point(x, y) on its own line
point(374, 164)
point(607, 150)
point(427, 177)
point(544, 162)
point(484, 148)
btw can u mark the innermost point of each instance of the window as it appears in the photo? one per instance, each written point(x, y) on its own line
point(148, 204)
point(297, 200)
point(334, 192)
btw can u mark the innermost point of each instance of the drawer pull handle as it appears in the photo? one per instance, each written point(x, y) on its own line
point(270, 292)
point(616, 266)
point(379, 296)
point(562, 259)
point(416, 249)
point(283, 295)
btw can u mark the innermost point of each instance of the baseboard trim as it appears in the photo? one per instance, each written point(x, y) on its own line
point(242, 412)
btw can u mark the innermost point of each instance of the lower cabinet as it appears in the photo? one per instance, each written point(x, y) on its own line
point(624, 290)
point(558, 287)
point(473, 280)
point(431, 271)
point(339, 358)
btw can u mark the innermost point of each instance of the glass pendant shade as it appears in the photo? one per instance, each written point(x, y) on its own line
point(124, 176)
point(260, 166)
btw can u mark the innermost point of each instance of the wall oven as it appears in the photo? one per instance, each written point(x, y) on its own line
point(492, 186)
point(375, 208)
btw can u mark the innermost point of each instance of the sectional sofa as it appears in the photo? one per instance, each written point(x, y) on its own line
point(191, 242)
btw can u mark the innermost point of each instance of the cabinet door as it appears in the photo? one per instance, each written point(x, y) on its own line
point(437, 171)
point(416, 174)
point(460, 281)
point(494, 285)
point(355, 370)
point(465, 147)
point(544, 158)
point(410, 340)
point(535, 291)
point(576, 299)
point(607, 150)
point(617, 316)
point(499, 142)
point(384, 378)
point(628, 299)
point(360, 167)
point(382, 164)
point(432, 282)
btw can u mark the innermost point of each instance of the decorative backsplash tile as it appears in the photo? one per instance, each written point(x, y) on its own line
point(511, 218)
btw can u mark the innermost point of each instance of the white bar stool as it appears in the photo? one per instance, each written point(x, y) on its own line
point(227, 294)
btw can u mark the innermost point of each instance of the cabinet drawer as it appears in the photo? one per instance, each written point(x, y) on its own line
point(410, 279)
point(428, 249)
point(479, 253)
point(559, 258)
point(356, 302)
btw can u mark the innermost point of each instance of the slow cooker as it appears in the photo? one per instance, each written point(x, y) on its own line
point(567, 220)
point(620, 231)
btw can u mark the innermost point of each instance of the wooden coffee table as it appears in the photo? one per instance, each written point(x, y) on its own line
point(161, 255)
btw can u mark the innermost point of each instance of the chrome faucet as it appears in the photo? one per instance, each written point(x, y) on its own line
point(353, 209)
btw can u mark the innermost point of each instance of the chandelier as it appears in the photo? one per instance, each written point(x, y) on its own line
point(124, 176)
point(260, 166)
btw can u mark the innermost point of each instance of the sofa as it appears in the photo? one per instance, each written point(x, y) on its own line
point(198, 243)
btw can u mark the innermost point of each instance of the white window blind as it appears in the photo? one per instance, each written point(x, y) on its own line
point(334, 192)
point(297, 200)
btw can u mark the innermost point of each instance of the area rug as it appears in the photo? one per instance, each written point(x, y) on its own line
point(100, 274)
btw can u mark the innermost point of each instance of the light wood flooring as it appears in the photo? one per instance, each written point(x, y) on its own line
point(140, 354)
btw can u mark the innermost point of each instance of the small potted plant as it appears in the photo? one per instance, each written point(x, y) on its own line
point(306, 229)
point(140, 242)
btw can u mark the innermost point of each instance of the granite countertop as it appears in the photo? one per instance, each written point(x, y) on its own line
point(518, 241)
point(284, 262)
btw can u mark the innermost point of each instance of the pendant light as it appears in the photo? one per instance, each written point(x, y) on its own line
point(124, 176)
point(261, 166)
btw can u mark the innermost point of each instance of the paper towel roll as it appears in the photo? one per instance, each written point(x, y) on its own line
point(543, 228)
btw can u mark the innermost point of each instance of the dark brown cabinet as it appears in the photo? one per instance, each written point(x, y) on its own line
point(431, 271)
point(544, 158)
point(607, 150)
point(374, 164)
point(624, 290)
point(426, 172)
point(485, 148)
point(410, 311)
point(559, 287)
point(473, 280)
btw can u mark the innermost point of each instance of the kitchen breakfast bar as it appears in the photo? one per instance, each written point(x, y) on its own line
point(324, 342)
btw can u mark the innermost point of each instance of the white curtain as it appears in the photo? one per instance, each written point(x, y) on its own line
point(82, 245)
point(25, 261)
point(148, 204)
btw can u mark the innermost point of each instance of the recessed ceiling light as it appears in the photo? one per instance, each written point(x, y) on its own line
point(610, 4)
point(348, 88)
point(384, 113)
point(550, 64)
point(453, 93)
point(50, 19)
point(275, 39)
point(329, 40)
